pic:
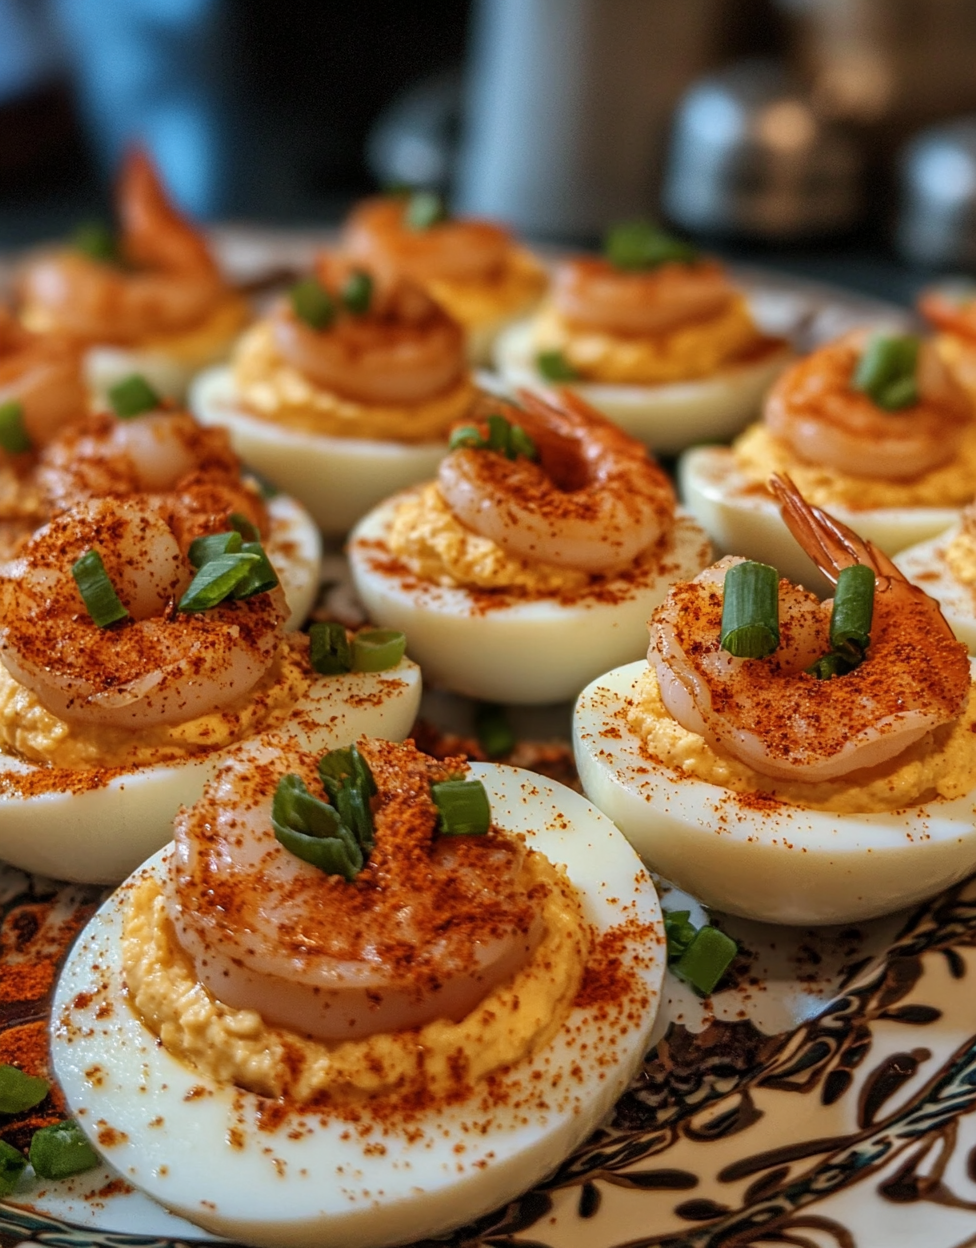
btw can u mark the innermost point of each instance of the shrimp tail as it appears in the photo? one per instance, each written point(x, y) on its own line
point(155, 233)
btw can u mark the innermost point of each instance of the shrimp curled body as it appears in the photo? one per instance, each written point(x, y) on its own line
point(595, 500)
point(773, 715)
point(41, 373)
point(159, 666)
point(816, 412)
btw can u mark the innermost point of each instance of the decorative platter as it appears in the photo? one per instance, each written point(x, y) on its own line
point(822, 1097)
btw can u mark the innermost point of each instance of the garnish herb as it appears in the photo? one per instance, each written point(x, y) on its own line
point(357, 293)
point(554, 366)
point(132, 396)
point(13, 1163)
point(61, 1150)
point(347, 779)
point(463, 807)
point(227, 567)
point(312, 303)
point(312, 830)
point(95, 240)
point(495, 735)
point(850, 623)
point(641, 245)
point(424, 209)
point(330, 650)
point(378, 649)
point(261, 578)
point(750, 610)
point(13, 435)
point(97, 591)
point(887, 372)
point(212, 545)
point(700, 956)
point(240, 524)
point(19, 1091)
point(504, 437)
point(216, 580)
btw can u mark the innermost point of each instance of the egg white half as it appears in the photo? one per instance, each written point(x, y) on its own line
point(779, 865)
point(925, 566)
point(105, 366)
point(337, 479)
point(99, 833)
point(534, 650)
point(742, 521)
point(294, 547)
point(198, 1147)
point(666, 417)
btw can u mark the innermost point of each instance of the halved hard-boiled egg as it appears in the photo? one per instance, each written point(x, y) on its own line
point(945, 567)
point(273, 1172)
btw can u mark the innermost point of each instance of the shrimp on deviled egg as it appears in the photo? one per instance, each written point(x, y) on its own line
point(474, 269)
point(789, 759)
point(873, 426)
point(651, 334)
point(360, 994)
point(138, 639)
point(533, 560)
point(345, 392)
point(151, 301)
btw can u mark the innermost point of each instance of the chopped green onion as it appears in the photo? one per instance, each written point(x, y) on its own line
point(641, 245)
point(853, 609)
point(19, 1091)
point(312, 303)
point(97, 591)
point(240, 523)
point(13, 1163)
point(886, 371)
point(313, 830)
point(330, 650)
point(750, 610)
point(519, 443)
point(424, 209)
point(95, 240)
point(132, 396)
point(217, 580)
point(347, 779)
point(498, 431)
point(378, 649)
point(13, 435)
point(495, 735)
point(680, 932)
point(261, 578)
point(831, 665)
point(465, 436)
point(357, 293)
point(61, 1150)
point(463, 807)
point(212, 545)
point(706, 959)
point(554, 366)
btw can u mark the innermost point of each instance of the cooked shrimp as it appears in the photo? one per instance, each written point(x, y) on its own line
point(951, 307)
point(465, 251)
point(594, 501)
point(773, 715)
point(160, 665)
point(41, 372)
point(404, 349)
point(172, 285)
point(593, 294)
point(815, 410)
point(428, 927)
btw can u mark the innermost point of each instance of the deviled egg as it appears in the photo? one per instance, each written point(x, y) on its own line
point(945, 567)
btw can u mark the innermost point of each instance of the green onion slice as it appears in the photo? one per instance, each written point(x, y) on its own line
point(13, 1163)
point(641, 245)
point(13, 435)
point(357, 293)
point(886, 371)
point(61, 1150)
point(97, 591)
point(498, 433)
point(853, 609)
point(377, 649)
point(313, 830)
point(212, 545)
point(680, 932)
point(462, 806)
point(262, 576)
point(97, 241)
point(554, 366)
point(330, 650)
point(132, 396)
point(750, 610)
point(519, 443)
point(465, 436)
point(342, 766)
point(217, 580)
point(240, 524)
point(19, 1091)
point(706, 959)
point(312, 303)
point(495, 735)
point(424, 209)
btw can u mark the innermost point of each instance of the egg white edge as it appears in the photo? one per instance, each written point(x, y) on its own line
point(463, 1185)
point(100, 835)
point(701, 837)
point(317, 469)
point(926, 566)
point(294, 547)
point(515, 653)
point(667, 417)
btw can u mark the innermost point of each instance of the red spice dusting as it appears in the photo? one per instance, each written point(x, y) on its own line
point(109, 1136)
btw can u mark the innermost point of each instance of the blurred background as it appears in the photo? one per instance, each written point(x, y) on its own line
point(828, 138)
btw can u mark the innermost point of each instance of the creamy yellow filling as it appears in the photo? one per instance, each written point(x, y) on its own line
point(237, 1047)
point(758, 454)
point(941, 764)
point(510, 293)
point(276, 391)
